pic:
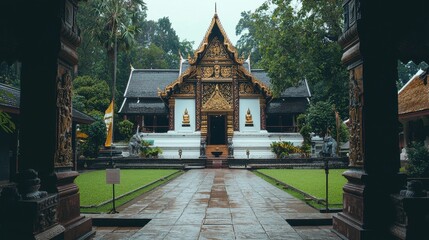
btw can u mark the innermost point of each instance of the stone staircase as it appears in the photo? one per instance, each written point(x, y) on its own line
point(217, 156)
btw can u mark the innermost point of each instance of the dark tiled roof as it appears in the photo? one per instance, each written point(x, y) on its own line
point(10, 98)
point(144, 106)
point(82, 118)
point(145, 82)
point(287, 105)
point(299, 91)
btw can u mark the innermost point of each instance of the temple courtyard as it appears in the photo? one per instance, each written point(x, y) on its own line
point(217, 204)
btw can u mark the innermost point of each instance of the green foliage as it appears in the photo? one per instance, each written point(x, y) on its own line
point(407, 71)
point(6, 123)
point(9, 74)
point(283, 149)
point(96, 138)
point(321, 118)
point(305, 131)
point(418, 160)
point(126, 129)
point(147, 151)
point(344, 133)
point(91, 94)
point(299, 44)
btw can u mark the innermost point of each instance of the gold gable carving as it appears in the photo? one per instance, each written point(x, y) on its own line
point(217, 102)
point(216, 51)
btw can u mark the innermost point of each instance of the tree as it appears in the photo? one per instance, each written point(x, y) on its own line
point(96, 137)
point(297, 44)
point(91, 95)
point(407, 71)
point(321, 118)
point(247, 43)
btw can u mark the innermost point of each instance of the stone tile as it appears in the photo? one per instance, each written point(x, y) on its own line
point(217, 221)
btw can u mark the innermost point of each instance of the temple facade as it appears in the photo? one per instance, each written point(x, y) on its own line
point(214, 101)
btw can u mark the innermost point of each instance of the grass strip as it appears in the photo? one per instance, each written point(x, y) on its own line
point(314, 201)
point(102, 207)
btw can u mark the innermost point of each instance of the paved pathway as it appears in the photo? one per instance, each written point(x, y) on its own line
point(217, 204)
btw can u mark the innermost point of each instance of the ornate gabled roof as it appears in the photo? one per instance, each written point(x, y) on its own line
point(215, 28)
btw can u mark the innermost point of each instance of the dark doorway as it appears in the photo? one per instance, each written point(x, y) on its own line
point(217, 130)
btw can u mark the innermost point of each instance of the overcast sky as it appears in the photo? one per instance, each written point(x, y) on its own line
point(191, 18)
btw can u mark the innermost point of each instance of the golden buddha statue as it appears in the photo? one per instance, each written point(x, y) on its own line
point(249, 121)
point(185, 121)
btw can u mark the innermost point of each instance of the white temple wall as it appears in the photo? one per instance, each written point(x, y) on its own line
point(179, 110)
point(254, 106)
point(172, 141)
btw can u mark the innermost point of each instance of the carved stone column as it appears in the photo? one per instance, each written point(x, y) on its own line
point(372, 176)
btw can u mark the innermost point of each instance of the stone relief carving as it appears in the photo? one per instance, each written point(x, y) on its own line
point(63, 154)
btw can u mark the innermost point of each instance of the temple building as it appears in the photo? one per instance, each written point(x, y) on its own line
point(215, 100)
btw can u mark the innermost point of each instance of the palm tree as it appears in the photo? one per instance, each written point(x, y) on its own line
point(116, 26)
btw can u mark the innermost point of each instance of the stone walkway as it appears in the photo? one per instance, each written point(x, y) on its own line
point(217, 204)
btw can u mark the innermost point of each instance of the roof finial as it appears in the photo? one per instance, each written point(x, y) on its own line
point(215, 9)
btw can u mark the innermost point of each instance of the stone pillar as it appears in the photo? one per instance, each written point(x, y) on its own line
point(374, 159)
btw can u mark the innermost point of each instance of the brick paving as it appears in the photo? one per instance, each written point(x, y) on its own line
point(217, 204)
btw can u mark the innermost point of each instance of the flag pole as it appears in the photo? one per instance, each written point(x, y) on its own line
point(115, 59)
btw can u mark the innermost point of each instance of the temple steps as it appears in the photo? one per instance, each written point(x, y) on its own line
point(217, 156)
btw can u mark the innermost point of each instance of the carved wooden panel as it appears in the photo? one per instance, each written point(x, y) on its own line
point(236, 104)
point(355, 110)
point(198, 103)
point(225, 90)
point(247, 88)
point(186, 88)
point(171, 104)
point(63, 153)
point(262, 105)
point(216, 51)
point(217, 101)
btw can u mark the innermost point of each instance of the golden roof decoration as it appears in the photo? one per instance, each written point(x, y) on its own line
point(217, 102)
point(226, 42)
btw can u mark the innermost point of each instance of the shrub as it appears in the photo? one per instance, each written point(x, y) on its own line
point(126, 129)
point(283, 149)
point(147, 151)
point(96, 138)
point(418, 160)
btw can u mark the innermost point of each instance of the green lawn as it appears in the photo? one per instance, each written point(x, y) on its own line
point(312, 181)
point(94, 190)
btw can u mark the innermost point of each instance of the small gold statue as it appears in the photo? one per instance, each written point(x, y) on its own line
point(185, 121)
point(249, 121)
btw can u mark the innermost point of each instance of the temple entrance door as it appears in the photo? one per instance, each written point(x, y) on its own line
point(217, 130)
